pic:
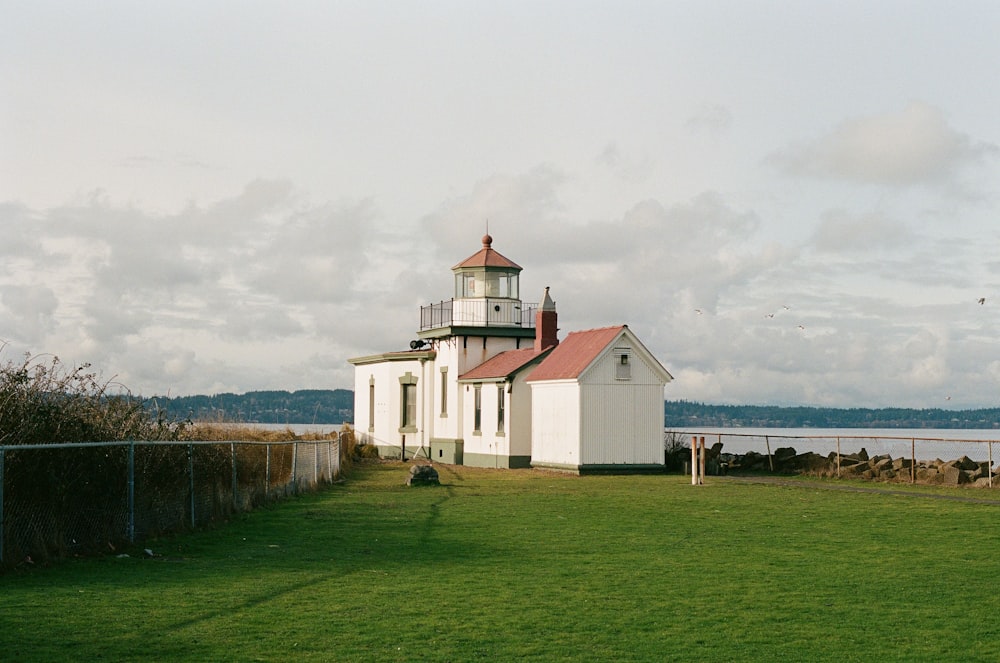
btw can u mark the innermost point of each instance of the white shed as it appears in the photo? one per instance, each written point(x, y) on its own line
point(597, 404)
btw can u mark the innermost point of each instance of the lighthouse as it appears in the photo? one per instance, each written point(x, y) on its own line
point(487, 382)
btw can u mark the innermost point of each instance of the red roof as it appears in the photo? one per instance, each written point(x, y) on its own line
point(574, 354)
point(502, 365)
point(487, 257)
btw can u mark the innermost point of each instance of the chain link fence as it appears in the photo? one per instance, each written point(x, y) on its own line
point(58, 500)
point(903, 458)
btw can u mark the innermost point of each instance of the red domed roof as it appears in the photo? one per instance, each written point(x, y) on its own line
point(487, 257)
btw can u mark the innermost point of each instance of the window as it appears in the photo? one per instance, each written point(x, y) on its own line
point(408, 404)
point(501, 398)
point(623, 365)
point(371, 404)
point(465, 285)
point(444, 391)
point(477, 418)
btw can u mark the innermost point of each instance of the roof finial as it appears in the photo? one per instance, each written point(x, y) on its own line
point(487, 240)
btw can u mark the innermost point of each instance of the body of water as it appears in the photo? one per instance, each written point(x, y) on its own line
point(298, 429)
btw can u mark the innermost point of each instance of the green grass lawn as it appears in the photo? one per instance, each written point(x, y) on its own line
point(519, 564)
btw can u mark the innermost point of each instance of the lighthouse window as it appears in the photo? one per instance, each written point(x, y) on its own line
point(408, 403)
point(501, 406)
point(444, 391)
point(477, 421)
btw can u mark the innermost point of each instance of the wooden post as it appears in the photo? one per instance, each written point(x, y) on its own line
point(913, 461)
point(990, 469)
point(701, 478)
point(838, 456)
point(770, 461)
point(694, 460)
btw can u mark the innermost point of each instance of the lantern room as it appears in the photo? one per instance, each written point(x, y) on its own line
point(486, 274)
point(487, 294)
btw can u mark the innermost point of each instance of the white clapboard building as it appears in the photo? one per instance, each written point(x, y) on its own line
point(488, 383)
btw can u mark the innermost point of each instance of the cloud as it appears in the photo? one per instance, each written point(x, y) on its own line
point(712, 118)
point(840, 231)
point(256, 278)
point(913, 146)
point(28, 309)
point(627, 167)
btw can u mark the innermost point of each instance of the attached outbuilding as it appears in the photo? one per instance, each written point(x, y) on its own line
point(597, 404)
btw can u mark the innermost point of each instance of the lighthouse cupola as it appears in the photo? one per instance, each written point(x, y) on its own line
point(486, 274)
point(487, 294)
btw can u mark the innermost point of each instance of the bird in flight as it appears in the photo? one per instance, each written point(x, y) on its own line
point(982, 300)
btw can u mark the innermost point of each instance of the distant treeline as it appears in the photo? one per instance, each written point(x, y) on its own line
point(335, 406)
point(307, 406)
point(685, 414)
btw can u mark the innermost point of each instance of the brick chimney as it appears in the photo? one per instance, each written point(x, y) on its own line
point(546, 329)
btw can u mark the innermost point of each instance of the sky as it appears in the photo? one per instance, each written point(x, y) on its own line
point(790, 203)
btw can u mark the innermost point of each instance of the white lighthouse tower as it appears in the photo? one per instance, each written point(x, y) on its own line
point(410, 402)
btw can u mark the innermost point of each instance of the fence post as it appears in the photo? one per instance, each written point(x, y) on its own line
point(770, 460)
point(232, 447)
point(989, 474)
point(701, 465)
point(2, 451)
point(131, 492)
point(838, 456)
point(191, 480)
point(295, 466)
point(913, 460)
point(267, 475)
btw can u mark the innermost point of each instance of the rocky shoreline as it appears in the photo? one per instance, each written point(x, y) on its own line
point(785, 460)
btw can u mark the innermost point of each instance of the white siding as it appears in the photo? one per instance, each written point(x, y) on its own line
point(460, 355)
point(388, 403)
point(519, 416)
point(484, 441)
point(622, 424)
point(622, 419)
point(555, 423)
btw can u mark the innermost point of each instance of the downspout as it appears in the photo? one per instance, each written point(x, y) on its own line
point(423, 408)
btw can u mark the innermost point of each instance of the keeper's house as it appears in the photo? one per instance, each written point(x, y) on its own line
point(487, 383)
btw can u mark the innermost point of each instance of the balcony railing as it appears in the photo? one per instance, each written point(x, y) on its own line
point(488, 312)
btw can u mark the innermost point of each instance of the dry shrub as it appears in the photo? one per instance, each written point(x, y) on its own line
point(43, 401)
point(233, 432)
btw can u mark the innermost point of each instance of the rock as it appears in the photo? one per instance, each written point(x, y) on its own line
point(950, 475)
point(883, 463)
point(782, 454)
point(902, 464)
point(813, 462)
point(966, 463)
point(423, 475)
